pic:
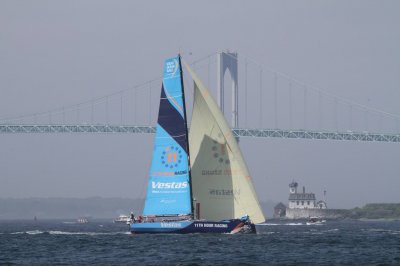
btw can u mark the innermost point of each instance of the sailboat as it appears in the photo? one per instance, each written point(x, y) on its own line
point(198, 181)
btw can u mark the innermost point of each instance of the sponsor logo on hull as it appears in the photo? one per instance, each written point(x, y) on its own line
point(210, 225)
point(186, 227)
point(171, 225)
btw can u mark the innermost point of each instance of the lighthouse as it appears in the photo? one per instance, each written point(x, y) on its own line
point(301, 200)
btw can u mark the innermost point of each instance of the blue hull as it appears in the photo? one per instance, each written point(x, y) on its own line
point(188, 227)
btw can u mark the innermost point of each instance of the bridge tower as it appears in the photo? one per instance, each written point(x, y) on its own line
point(229, 61)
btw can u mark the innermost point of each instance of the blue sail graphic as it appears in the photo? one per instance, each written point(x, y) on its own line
point(168, 190)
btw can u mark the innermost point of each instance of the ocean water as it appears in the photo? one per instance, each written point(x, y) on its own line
point(101, 242)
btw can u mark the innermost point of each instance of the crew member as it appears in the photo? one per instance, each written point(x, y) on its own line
point(133, 218)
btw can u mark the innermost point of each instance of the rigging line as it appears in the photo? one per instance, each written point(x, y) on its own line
point(92, 113)
point(336, 114)
point(351, 117)
point(261, 101)
point(318, 89)
point(276, 99)
point(135, 106)
point(208, 72)
point(202, 59)
point(314, 88)
point(77, 114)
point(290, 105)
point(320, 109)
point(121, 109)
point(94, 101)
point(97, 100)
point(63, 110)
point(149, 103)
point(144, 184)
point(107, 111)
point(100, 99)
point(245, 93)
point(305, 107)
point(63, 115)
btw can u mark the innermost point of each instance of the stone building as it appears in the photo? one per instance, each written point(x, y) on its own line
point(279, 210)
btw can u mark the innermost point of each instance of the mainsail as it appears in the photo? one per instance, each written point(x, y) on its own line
point(221, 183)
point(168, 191)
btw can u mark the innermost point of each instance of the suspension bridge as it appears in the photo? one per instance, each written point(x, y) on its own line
point(264, 104)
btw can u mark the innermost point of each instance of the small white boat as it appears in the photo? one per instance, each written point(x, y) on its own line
point(82, 220)
point(315, 221)
point(122, 219)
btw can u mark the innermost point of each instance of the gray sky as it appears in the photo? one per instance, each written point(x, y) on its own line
point(59, 53)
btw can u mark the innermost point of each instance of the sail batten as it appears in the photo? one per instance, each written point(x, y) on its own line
point(221, 185)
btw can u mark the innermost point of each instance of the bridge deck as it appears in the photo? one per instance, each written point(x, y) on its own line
point(238, 132)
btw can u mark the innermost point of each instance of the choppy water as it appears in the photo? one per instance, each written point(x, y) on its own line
point(105, 243)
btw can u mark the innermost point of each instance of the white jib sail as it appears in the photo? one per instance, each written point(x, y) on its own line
point(221, 182)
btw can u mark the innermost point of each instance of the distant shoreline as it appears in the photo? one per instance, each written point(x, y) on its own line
point(62, 208)
point(67, 208)
point(371, 211)
point(375, 211)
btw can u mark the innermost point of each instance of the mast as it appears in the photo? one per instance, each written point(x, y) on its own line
point(187, 137)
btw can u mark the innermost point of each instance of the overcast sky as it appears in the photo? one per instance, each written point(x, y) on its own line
point(59, 53)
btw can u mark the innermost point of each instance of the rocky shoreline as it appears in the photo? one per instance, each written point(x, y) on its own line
point(386, 211)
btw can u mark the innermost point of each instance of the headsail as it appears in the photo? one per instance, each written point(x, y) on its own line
point(168, 191)
point(221, 182)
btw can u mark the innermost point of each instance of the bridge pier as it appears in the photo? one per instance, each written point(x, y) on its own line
point(229, 61)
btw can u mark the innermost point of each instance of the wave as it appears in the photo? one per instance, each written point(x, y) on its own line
point(388, 231)
point(269, 224)
point(34, 232)
point(37, 232)
point(88, 233)
point(333, 230)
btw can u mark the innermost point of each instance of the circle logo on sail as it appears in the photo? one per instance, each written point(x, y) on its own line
point(219, 152)
point(171, 157)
